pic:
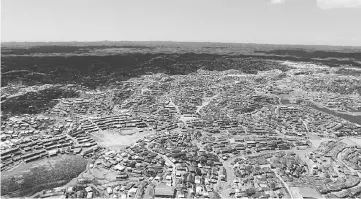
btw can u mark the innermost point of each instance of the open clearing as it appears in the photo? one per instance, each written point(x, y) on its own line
point(352, 141)
point(316, 142)
point(120, 138)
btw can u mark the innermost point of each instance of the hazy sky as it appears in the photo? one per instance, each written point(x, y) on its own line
point(332, 22)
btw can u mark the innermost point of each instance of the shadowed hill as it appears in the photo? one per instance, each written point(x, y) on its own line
point(92, 71)
point(95, 64)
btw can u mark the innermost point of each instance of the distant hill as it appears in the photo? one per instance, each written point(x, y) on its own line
point(21, 48)
point(95, 64)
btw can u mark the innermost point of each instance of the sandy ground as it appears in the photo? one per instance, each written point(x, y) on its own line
point(102, 175)
point(185, 119)
point(352, 141)
point(316, 142)
point(120, 138)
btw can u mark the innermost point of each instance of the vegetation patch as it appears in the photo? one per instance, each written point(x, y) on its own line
point(35, 102)
point(43, 174)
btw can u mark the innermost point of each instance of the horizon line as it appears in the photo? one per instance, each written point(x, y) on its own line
point(170, 41)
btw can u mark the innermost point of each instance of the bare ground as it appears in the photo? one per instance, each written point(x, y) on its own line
point(120, 138)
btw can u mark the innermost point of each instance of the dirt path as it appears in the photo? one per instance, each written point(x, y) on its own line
point(339, 158)
point(173, 104)
point(166, 159)
point(206, 101)
point(230, 176)
point(72, 138)
point(283, 182)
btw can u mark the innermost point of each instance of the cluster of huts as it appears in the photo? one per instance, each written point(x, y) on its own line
point(170, 161)
point(256, 182)
point(93, 103)
point(352, 157)
point(27, 125)
point(39, 144)
point(226, 147)
point(289, 166)
point(119, 122)
point(83, 143)
point(194, 171)
point(320, 122)
point(27, 150)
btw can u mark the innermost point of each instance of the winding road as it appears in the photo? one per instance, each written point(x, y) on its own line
point(166, 159)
